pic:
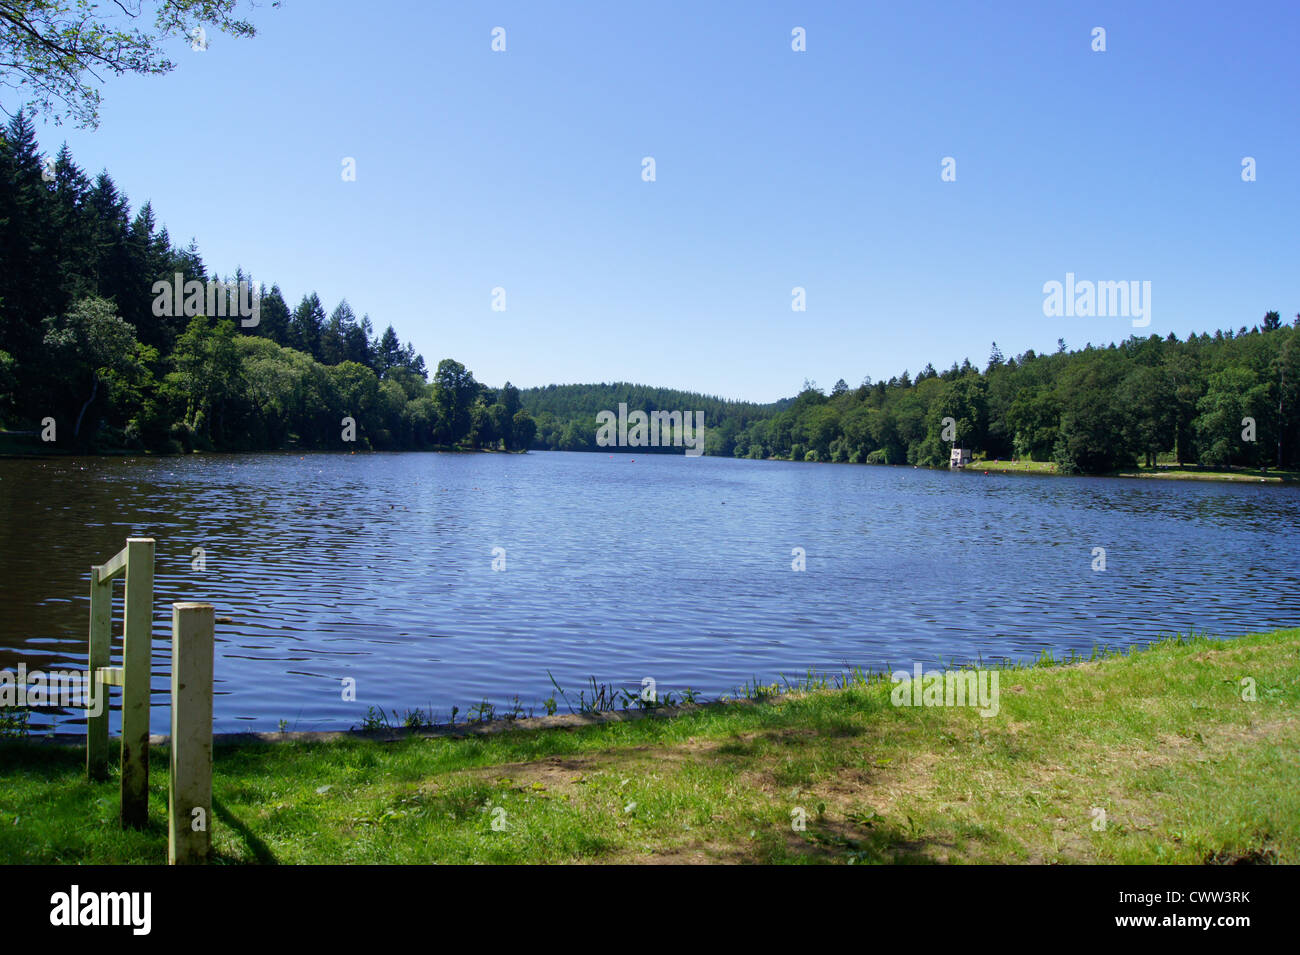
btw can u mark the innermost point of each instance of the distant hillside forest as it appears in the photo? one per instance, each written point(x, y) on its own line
point(1090, 411)
point(566, 414)
point(86, 362)
point(1226, 399)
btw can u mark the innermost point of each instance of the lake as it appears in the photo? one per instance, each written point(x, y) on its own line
point(379, 568)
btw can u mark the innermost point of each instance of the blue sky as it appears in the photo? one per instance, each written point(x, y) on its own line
point(775, 169)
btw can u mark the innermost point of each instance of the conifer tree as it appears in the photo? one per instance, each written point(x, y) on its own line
point(307, 324)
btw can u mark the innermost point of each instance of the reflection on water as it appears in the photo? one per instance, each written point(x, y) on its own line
point(379, 568)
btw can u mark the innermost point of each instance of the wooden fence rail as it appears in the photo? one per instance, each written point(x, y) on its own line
point(135, 563)
point(190, 783)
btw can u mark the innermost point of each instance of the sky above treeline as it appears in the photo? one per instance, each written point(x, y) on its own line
point(774, 169)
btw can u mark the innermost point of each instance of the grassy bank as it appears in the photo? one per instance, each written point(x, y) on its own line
point(1172, 472)
point(1189, 472)
point(1161, 739)
point(1017, 467)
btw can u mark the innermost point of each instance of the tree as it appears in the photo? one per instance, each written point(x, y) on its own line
point(31, 282)
point(275, 381)
point(1222, 408)
point(966, 402)
point(1032, 420)
point(454, 391)
point(206, 376)
point(54, 49)
point(818, 429)
point(510, 398)
point(1287, 368)
point(1094, 430)
point(576, 438)
point(84, 343)
point(134, 402)
point(502, 426)
point(482, 431)
point(356, 343)
point(413, 361)
point(8, 384)
point(995, 358)
point(334, 336)
point(388, 352)
point(307, 325)
point(273, 317)
point(1148, 398)
point(357, 390)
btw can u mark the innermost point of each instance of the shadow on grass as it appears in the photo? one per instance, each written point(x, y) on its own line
point(44, 762)
point(259, 849)
point(880, 844)
point(808, 758)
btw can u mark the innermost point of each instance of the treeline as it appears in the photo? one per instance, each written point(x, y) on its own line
point(1221, 400)
point(86, 360)
point(566, 414)
point(1227, 399)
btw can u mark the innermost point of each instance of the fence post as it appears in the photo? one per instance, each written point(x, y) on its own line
point(101, 617)
point(189, 802)
point(137, 650)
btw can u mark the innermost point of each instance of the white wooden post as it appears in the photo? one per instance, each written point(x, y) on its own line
point(101, 618)
point(189, 804)
point(137, 650)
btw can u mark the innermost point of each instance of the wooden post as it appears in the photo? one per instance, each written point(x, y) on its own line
point(101, 617)
point(189, 801)
point(137, 650)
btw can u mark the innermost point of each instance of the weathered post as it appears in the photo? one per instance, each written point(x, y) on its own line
point(137, 650)
point(101, 618)
point(189, 803)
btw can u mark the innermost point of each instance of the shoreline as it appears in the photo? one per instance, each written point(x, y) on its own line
point(1031, 468)
point(1181, 750)
point(1171, 472)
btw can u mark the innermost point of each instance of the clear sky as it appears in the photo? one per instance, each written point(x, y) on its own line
point(774, 169)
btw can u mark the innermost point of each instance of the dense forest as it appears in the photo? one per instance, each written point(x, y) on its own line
point(565, 414)
point(1220, 400)
point(1199, 401)
point(87, 363)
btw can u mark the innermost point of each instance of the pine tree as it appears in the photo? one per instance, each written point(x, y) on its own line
point(74, 228)
point(274, 317)
point(29, 279)
point(307, 324)
point(334, 337)
point(357, 343)
point(388, 353)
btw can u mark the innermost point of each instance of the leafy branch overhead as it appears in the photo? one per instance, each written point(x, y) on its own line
point(54, 53)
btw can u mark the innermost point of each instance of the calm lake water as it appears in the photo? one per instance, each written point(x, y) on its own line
point(378, 567)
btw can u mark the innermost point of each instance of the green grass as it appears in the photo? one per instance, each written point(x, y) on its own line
point(1171, 471)
point(1160, 739)
point(1191, 472)
point(1025, 467)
